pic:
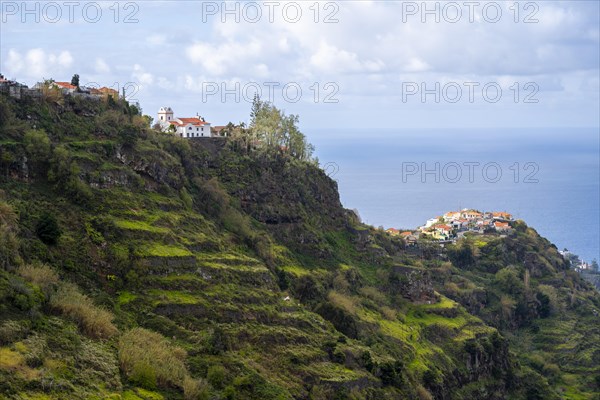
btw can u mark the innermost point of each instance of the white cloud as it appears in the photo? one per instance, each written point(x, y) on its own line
point(416, 65)
point(101, 66)
point(329, 58)
point(156, 39)
point(222, 58)
point(37, 63)
point(142, 77)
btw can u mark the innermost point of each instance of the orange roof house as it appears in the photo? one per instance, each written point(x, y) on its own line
point(501, 226)
point(502, 215)
point(65, 87)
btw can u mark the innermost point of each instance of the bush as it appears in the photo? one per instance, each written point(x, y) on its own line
point(94, 321)
point(11, 331)
point(9, 242)
point(47, 229)
point(216, 376)
point(149, 360)
point(23, 296)
point(39, 275)
point(195, 389)
point(391, 374)
point(423, 393)
point(342, 301)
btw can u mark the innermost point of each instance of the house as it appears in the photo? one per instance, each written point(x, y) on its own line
point(460, 223)
point(393, 231)
point(502, 216)
point(432, 221)
point(441, 232)
point(451, 216)
point(502, 226)
point(65, 87)
point(410, 238)
point(470, 214)
point(184, 127)
point(105, 92)
point(12, 88)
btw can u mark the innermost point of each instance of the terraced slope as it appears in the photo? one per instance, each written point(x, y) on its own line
point(137, 265)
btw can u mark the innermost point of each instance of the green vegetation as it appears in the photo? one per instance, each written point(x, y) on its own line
point(138, 265)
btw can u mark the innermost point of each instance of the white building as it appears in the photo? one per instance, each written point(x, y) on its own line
point(184, 127)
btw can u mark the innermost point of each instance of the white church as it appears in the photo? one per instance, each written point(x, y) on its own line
point(184, 127)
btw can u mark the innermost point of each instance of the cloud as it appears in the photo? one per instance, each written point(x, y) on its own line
point(416, 65)
point(329, 58)
point(101, 66)
point(156, 39)
point(142, 77)
point(37, 63)
point(221, 58)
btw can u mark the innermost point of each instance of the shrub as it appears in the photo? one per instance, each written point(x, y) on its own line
point(11, 331)
point(216, 376)
point(47, 229)
point(423, 393)
point(9, 243)
point(391, 373)
point(37, 145)
point(40, 275)
point(22, 295)
point(195, 389)
point(143, 374)
point(388, 313)
point(149, 360)
point(94, 321)
point(373, 293)
point(307, 289)
point(345, 302)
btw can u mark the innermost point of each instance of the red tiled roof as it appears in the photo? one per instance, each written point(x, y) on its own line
point(501, 224)
point(193, 121)
point(443, 227)
point(65, 85)
point(185, 121)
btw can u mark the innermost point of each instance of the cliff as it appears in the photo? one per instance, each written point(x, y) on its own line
point(139, 265)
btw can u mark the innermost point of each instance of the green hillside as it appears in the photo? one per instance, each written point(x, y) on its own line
point(138, 265)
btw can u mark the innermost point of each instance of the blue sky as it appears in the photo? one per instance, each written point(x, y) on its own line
point(373, 58)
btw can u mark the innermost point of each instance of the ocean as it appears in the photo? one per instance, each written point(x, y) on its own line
point(550, 178)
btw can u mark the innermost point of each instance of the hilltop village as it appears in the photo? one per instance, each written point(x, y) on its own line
point(185, 127)
point(453, 225)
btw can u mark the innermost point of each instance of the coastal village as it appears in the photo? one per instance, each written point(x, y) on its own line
point(453, 225)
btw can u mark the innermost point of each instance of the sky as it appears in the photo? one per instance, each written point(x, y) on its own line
point(370, 65)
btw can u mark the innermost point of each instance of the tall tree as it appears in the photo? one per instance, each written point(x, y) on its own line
point(75, 80)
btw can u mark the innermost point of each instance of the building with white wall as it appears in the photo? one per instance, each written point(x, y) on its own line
point(184, 127)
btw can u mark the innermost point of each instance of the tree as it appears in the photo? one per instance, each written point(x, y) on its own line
point(38, 149)
point(148, 120)
point(37, 145)
point(75, 80)
point(595, 266)
point(273, 129)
